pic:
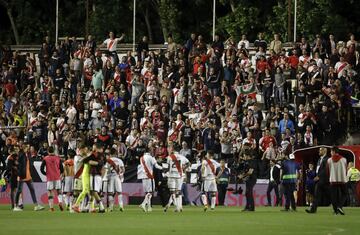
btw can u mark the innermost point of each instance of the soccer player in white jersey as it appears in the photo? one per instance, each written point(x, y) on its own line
point(145, 173)
point(116, 171)
point(177, 165)
point(208, 174)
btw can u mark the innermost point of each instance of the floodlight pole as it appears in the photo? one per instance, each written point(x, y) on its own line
point(57, 23)
point(295, 17)
point(214, 14)
point(134, 25)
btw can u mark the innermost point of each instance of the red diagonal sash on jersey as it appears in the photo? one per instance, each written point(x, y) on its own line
point(148, 173)
point(211, 165)
point(134, 143)
point(111, 43)
point(113, 165)
point(177, 163)
point(79, 172)
point(342, 67)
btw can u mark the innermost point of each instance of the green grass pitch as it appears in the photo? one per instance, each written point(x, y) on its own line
point(224, 220)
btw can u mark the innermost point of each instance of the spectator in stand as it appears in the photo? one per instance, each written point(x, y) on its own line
point(111, 46)
point(243, 43)
point(260, 42)
point(276, 44)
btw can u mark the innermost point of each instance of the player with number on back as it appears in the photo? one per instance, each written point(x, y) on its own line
point(177, 164)
point(145, 173)
point(208, 173)
point(115, 176)
point(52, 167)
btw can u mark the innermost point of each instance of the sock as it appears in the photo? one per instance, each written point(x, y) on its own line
point(213, 202)
point(204, 199)
point(111, 201)
point(120, 199)
point(20, 200)
point(51, 202)
point(60, 198)
point(101, 205)
point(149, 200)
point(145, 200)
point(70, 201)
point(170, 201)
point(83, 203)
point(179, 202)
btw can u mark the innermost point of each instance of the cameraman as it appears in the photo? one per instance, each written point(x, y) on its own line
point(249, 175)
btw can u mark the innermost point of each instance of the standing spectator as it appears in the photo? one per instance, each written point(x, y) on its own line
point(279, 87)
point(274, 181)
point(285, 123)
point(12, 168)
point(336, 166)
point(243, 43)
point(111, 46)
point(142, 49)
point(25, 177)
point(321, 181)
point(260, 42)
point(222, 179)
point(276, 44)
point(97, 80)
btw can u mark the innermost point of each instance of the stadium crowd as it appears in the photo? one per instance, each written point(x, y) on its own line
point(222, 96)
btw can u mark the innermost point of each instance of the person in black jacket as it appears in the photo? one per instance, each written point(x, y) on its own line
point(249, 175)
point(161, 187)
point(274, 181)
point(12, 172)
point(25, 177)
point(321, 182)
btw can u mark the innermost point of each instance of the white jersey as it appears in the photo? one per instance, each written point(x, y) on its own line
point(176, 167)
point(111, 44)
point(210, 166)
point(146, 166)
point(111, 171)
point(77, 163)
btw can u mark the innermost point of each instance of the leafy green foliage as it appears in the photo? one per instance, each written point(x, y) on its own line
point(36, 19)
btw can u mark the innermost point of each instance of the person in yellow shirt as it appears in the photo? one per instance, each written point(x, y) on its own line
point(353, 175)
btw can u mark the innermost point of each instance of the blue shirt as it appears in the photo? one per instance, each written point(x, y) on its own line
point(290, 125)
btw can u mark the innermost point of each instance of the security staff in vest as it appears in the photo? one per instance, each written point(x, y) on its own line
point(249, 175)
point(353, 176)
point(321, 182)
point(289, 176)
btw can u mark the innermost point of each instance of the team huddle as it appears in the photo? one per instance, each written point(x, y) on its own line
point(90, 180)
